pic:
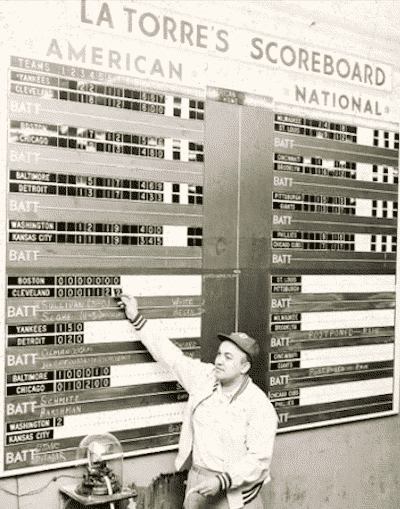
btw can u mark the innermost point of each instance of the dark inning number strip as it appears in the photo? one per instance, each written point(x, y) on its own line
point(28, 335)
point(70, 385)
point(314, 166)
point(317, 166)
point(82, 379)
point(93, 233)
point(322, 129)
point(84, 384)
point(45, 340)
point(83, 91)
point(27, 330)
point(333, 205)
point(37, 182)
point(82, 373)
point(64, 286)
point(66, 280)
point(96, 141)
point(315, 128)
point(324, 241)
point(65, 380)
point(70, 292)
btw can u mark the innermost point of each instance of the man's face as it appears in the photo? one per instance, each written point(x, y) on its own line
point(230, 362)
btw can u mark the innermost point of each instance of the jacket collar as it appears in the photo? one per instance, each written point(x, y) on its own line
point(208, 391)
point(239, 391)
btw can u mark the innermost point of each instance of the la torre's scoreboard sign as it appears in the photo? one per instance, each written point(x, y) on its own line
point(105, 193)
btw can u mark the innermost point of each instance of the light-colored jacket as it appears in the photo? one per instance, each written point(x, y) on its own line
point(252, 416)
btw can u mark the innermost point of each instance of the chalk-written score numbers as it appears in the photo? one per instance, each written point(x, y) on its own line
point(58, 381)
point(32, 335)
point(64, 287)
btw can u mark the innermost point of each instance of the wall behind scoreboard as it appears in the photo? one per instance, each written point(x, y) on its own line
point(233, 179)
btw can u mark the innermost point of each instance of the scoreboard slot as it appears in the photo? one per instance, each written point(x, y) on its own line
point(59, 82)
point(104, 233)
point(337, 169)
point(338, 205)
point(33, 182)
point(98, 141)
point(324, 241)
point(325, 130)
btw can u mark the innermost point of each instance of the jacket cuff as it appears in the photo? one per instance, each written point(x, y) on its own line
point(139, 321)
point(225, 480)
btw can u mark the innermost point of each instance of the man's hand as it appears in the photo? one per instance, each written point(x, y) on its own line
point(207, 488)
point(130, 306)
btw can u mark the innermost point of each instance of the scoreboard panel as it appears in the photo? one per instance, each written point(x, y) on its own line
point(104, 192)
point(331, 333)
point(313, 211)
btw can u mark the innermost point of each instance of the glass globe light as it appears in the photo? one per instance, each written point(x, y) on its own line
point(102, 459)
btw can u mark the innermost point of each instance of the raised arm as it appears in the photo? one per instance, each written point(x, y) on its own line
point(189, 372)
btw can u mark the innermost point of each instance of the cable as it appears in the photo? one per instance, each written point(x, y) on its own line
point(37, 491)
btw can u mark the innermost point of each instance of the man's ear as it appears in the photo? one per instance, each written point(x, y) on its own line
point(246, 367)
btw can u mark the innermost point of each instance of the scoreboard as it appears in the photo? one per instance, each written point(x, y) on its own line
point(221, 211)
point(316, 208)
point(332, 311)
point(104, 193)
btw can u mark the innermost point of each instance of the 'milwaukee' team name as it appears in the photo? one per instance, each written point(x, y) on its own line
point(112, 59)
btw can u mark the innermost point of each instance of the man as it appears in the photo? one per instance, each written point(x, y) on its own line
point(229, 424)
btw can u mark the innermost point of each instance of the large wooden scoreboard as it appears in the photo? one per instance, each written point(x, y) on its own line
point(315, 229)
point(221, 211)
point(105, 192)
